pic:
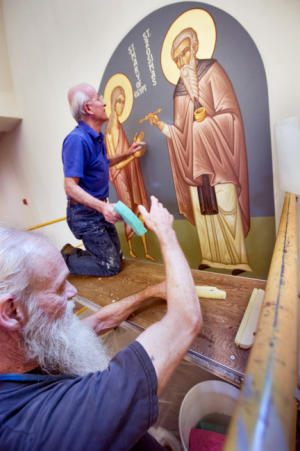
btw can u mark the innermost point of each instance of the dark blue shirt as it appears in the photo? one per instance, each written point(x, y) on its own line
point(84, 155)
point(108, 410)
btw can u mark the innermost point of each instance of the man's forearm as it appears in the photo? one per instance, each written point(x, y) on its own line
point(167, 340)
point(179, 281)
point(77, 193)
point(136, 146)
point(181, 293)
point(118, 159)
point(82, 197)
point(113, 315)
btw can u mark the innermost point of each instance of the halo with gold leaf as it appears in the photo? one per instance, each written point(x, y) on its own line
point(203, 24)
point(115, 80)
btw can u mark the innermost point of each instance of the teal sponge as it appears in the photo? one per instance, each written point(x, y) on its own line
point(130, 218)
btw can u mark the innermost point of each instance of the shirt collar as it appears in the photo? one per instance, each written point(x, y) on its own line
point(96, 136)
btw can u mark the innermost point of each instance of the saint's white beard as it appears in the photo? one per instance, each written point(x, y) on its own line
point(64, 345)
point(190, 79)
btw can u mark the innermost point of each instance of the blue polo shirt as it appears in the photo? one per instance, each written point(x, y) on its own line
point(103, 411)
point(84, 155)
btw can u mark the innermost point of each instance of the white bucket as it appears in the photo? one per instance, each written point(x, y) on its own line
point(203, 399)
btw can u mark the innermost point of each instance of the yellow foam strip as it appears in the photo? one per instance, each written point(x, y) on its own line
point(210, 292)
point(81, 310)
point(245, 335)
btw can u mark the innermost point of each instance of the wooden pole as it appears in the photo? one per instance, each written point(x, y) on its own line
point(265, 416)
point(43, 224)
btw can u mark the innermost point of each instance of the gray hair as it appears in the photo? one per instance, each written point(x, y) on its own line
point(187, 33)
point(79, 99)
point(17, 249)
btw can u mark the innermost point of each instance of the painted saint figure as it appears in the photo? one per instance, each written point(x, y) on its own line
point(208, 156)
point(126, 176)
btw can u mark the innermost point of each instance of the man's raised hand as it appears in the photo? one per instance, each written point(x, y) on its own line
point(135, 146)
point(158, 218)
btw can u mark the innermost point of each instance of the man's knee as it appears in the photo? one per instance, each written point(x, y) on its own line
point(108, 264)
point(113, 266)
point(113, 271)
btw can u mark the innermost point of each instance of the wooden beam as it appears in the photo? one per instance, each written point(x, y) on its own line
point(265, 416)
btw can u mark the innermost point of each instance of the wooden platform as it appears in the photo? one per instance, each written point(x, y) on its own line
point(214, 348)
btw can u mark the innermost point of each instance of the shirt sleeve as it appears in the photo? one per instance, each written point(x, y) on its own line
point(73, 156)
point(109, 410)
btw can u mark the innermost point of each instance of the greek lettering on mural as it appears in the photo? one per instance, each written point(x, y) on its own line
point(150, 61)
point(140, 88)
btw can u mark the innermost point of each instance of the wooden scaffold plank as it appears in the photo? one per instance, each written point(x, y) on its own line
point(265, 415)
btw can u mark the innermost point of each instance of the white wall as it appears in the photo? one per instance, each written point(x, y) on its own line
point(55, 44)
point(8, 105)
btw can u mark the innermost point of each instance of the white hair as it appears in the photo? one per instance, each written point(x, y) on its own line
point(64, 345)
point(187, 33)
point(17, 248)
point(79, 99)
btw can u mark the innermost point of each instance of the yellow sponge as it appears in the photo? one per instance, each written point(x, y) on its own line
point(210, 292)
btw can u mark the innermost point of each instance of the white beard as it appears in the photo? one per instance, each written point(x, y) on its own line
point(64, 345)
point(190, 78)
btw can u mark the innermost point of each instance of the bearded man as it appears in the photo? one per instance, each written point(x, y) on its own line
point(57, 389)
point(208, 156)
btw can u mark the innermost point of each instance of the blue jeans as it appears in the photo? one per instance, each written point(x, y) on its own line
point(102, 256)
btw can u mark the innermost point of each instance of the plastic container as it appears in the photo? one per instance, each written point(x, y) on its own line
point(205, 399)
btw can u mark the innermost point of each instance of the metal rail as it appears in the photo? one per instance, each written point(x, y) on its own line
point(265, 415)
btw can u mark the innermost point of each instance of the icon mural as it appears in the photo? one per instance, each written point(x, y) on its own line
point(176, 85)
point(207, 148)
point(126, 176)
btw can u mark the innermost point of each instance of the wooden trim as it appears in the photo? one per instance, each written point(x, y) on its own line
point(265, 415)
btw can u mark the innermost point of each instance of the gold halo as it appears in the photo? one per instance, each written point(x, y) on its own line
point(123, 81)
point(203, 24)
